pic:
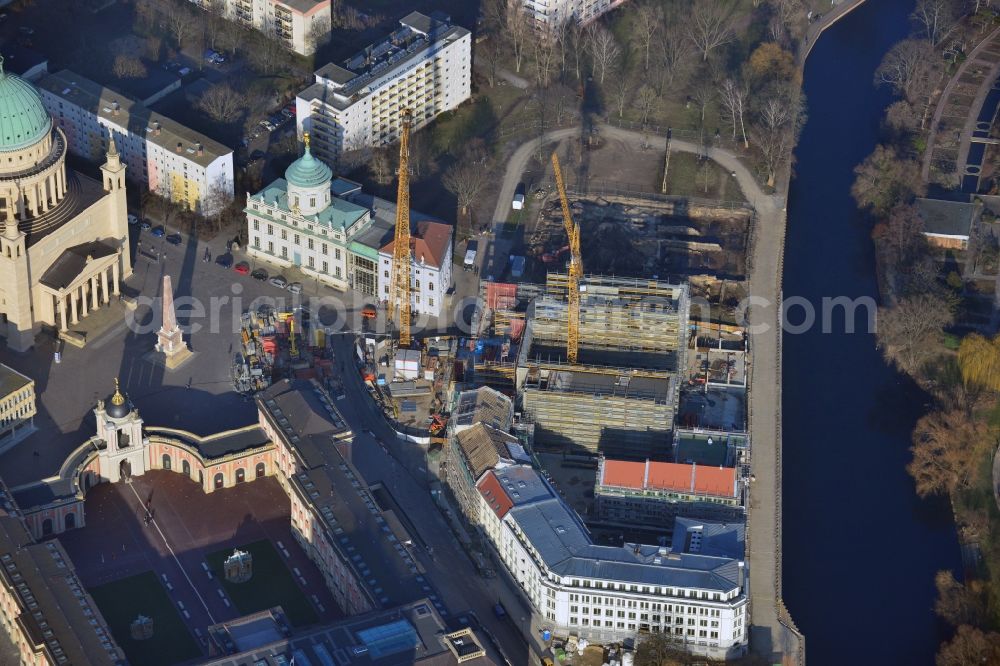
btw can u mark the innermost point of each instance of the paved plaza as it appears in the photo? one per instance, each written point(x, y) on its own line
point(188, 526)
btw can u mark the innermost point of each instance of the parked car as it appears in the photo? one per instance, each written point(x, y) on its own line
point(145, 226)
point(288, 113)
point(295, 287)
point(174, 239)
point(257, 155)
point(224, 260)
point(132, 219)
point(159, 231)
point(259, 274)
point(242, 268)
point(279, 281)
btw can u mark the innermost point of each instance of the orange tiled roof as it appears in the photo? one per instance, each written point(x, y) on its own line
point(494, 494)
point(649, 475)
point(428, 243)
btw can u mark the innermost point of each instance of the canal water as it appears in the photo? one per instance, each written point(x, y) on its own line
point(860, 549)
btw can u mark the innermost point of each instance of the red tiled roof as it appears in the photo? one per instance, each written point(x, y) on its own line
point(706, 480)
point(429, 243)
point(494, 494)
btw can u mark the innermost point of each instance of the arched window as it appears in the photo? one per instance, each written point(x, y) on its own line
point(70, 521)
point(240, 475)
point(186, 468)
point(260, 471)
point(218, 481)
point(166, 461)
point(46, 527)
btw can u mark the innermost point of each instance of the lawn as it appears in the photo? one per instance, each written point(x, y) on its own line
point(271, 585)
point(123, 600)
point(689, 178)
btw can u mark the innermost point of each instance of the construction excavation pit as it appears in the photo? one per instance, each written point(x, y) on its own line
point(641, 237)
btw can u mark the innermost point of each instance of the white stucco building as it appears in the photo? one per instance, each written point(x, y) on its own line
point(162, 155)
point(425, 65)
point(430, 267)
point(695, 590)
point(300, 25)
point(553, 12)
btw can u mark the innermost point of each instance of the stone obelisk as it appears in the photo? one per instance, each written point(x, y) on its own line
point(170, 350)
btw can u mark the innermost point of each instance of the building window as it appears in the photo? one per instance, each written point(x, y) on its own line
point(326, 267)
point(284, 252)
point(296, 240)
point(309, 260)
point(256, 225)
point(309, 243)
point(430, 302)
point(270, 247)
point(270, 230)
point(256, 242)
point(284, 234)
point(325, 248)
point(336, 254)
point(337, 271)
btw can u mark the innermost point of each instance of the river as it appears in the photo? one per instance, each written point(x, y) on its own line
point(860, 549)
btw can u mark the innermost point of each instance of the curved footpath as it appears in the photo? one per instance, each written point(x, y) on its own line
point(768, 633)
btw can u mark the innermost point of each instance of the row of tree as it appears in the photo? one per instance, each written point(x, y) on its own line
point(953, 443)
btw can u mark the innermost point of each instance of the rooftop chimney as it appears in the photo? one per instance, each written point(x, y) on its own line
point(115, 106)
point(201, 149)
point(180, 146)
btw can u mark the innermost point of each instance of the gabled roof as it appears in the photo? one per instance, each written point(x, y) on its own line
point(70, 264)
point(494, 494)
point(483, 447)
point(947, 218)
point(429, 243)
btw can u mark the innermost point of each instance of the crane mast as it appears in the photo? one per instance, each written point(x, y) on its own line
point(575, 267)
point(399, 302)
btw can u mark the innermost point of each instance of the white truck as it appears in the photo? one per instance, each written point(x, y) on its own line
point(470, 255)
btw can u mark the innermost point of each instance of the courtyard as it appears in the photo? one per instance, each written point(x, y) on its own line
point(174, 557)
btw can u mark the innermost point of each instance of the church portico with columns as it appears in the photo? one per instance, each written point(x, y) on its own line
point(64, 241)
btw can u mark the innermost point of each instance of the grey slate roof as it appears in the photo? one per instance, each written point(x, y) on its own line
point(947, 218)
point(68, 265)
point(11, 380)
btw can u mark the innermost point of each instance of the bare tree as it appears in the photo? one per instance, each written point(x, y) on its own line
point(937, 18)
point(957, 603)
point(711, 25)
point(885, 179)
point(181, 24)
point(648, 24)
point(676, 56)
point(576, 35)
point(911, 67)
point(909, 334)
point(518, 31)
point(491, 54)
point(465, 180)
point(646, 101)
point(561, 35)
point(266, 55)
point(128, 67)
point(970, 646)
point(622, 90)
point(603, 48)
point(317, 34)
point(381, 165)
point(734, 98)
point(544, 52)
point(779, 119)
point(703, 93)
point(222, 103)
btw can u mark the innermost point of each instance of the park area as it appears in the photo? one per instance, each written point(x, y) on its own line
point(271, 584)
point(122, 601)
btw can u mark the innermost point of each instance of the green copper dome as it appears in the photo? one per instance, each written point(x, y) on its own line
point(23, 119)
point(307, 171)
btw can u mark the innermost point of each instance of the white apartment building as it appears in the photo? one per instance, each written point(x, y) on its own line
point(694, 591)
point(300, 25)
point(425, 65)
point(164, 156)
point(553, 12)
point(430, 267)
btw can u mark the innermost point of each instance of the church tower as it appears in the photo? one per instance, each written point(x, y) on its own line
point(15, 291)
point(113, 174)
point(119, 438)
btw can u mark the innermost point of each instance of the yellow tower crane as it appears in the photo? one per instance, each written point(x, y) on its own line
point(399, 301)
point(575, 267)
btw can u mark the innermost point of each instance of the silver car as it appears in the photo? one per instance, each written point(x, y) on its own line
point(279, 281)
point(295, 287)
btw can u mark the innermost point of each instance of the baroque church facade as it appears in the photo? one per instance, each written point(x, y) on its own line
point(64, 241)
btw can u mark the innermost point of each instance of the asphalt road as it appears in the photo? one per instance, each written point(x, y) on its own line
point(401, 468)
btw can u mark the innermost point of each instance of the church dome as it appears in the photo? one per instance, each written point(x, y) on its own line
point(117, 404)
point(23, 118)
point(307, 171)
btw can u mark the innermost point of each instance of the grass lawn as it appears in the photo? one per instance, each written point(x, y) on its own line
point(271, 585)
point(124, 600)
point(688, 178)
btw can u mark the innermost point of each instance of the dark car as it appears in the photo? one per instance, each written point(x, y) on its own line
point(259, 274)
point(224, 260)
point(159, 231)
point(242, 268)
point(257, 155)
point(145, 225)
point(174, 239)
